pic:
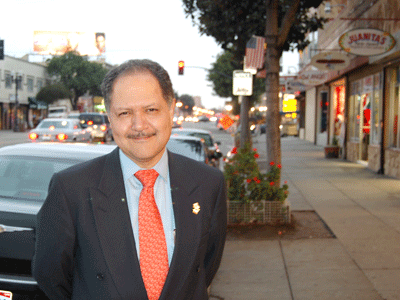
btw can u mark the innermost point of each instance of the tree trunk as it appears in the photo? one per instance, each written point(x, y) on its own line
point(273, 55)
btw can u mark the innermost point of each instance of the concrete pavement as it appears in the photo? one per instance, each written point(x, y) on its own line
point(360, 207)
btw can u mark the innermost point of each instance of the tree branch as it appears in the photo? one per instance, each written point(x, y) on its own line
point(287, 23)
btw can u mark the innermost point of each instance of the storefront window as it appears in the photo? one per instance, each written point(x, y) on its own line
point(338, 95)
point(376, 110)
point(394, 81)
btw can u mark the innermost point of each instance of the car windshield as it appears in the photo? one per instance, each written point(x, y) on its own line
point(91, 120)
point(62, 124)
point(58, 110)
point(206, 137)
point(188, 148)
point(28, 178)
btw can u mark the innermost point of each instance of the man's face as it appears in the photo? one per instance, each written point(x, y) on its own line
point(140, 118)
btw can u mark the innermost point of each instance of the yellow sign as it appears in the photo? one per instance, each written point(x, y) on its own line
point(289, 105)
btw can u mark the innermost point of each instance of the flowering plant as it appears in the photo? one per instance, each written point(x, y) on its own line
point(247, 183)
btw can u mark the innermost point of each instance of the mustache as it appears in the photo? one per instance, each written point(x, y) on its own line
point(140, 135)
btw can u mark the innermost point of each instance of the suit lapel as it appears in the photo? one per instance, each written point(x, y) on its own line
point(188, 225)
point(114, 228)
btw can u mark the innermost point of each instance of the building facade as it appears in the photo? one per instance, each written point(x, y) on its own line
point(358, 103)
point(20, 81)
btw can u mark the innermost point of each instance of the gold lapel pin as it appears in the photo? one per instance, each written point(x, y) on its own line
point(196, 208)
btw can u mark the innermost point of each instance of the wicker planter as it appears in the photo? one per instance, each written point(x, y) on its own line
point(265, 212)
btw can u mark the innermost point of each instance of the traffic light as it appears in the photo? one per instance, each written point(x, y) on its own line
point(1, 49)
point(181, 67)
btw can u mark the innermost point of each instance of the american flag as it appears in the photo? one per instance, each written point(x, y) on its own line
point(255, 52)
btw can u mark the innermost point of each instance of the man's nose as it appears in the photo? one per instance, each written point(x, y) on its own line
point(139, 121)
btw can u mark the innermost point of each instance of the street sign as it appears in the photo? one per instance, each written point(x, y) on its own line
point(242, 83)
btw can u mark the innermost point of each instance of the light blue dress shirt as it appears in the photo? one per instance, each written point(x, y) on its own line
point(162, 194)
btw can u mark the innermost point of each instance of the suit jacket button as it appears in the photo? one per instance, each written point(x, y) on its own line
point(100, 276)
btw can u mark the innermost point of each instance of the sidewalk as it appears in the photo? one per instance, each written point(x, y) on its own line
point(360, 207)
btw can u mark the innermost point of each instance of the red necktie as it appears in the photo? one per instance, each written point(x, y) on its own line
point(152, 245)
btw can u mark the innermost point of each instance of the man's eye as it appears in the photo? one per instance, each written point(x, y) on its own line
point(152, 109)
point(123, 113)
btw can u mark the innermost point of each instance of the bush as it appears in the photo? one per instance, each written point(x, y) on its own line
point(245, 181)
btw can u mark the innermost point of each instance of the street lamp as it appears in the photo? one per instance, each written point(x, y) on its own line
point(16, 78)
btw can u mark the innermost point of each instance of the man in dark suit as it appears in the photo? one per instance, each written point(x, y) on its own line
point(90, 229)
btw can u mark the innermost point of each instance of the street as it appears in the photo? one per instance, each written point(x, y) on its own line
point(8, 137)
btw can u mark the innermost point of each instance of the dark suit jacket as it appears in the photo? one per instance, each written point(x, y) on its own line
point(85, 247)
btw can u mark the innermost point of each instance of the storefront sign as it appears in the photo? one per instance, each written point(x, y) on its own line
point(367, 41)
point(312, 78)
point(330, 61)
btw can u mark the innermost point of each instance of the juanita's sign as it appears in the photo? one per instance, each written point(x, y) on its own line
point(367, 41)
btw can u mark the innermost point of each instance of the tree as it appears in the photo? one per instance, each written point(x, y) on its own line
point(188, 103)
point(53, 92)
point(77, 74)
point(284, 23)
point(226, 63)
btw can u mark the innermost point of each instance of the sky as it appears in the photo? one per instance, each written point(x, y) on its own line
point(152, 29)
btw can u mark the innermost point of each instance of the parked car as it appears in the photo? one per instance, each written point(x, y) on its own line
point(214, 152)
point(189, 146)
point(60, 130)
point(25, 172)
point(99, 125)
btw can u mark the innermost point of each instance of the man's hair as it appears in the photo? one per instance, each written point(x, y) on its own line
point(136, 66)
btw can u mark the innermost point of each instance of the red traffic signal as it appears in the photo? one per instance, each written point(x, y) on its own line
point(181, 67)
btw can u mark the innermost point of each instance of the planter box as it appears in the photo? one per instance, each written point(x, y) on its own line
point(266, 212)
point(332, 151)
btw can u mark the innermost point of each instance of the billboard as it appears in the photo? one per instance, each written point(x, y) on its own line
point(60, 42)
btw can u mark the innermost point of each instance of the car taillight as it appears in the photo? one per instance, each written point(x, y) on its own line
point(33, 136)
point(90, 122)
point(103, 127)
point(61, 136)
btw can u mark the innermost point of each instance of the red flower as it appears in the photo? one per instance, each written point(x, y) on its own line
point(255, 149)
point(224, 159)
point(271, 183)
point(255, 178)
point(285, 182)
point(271, 163)
point(234, 150)
point(256, 155)
point(279, 166)
point(248, 180)
point(258, 180)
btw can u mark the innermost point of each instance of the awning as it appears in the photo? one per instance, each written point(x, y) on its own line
point(34, 104)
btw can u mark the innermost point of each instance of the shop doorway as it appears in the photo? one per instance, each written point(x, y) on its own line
point(365, 118)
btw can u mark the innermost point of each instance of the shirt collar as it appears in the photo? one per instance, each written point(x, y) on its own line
point(129, 168)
